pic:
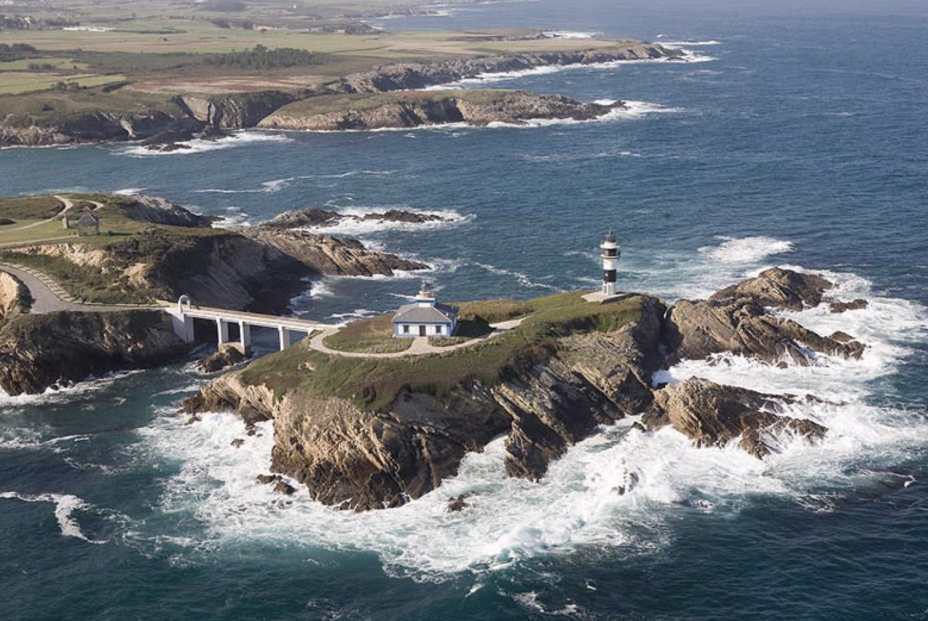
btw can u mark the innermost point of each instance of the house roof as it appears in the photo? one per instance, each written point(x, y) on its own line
point(413, 313)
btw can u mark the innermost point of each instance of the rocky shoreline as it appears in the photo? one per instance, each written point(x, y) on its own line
point(361, 457)
point(188, 116)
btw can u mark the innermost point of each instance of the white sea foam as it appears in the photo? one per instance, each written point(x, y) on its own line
point(234, 216)
point(679, 44)
point(746, 249)
point(570, 34)
point(65, 506)
point(523, 279)
point(450, 218)
point(130, 191)
point(236, 139)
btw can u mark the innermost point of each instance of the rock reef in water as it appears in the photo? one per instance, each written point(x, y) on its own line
point(387, 435)
point(313, 217)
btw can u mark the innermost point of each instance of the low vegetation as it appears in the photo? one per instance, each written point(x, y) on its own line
point(373, 335)
point(374, 383)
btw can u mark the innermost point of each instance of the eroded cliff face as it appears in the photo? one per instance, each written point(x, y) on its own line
point(14, 297)
point(91, 127)
point(368, 459)
point(237, 110)
point(56, 349)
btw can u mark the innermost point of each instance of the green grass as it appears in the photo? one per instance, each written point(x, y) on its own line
point(30, 207)
point(374, 384)
point(373, 336)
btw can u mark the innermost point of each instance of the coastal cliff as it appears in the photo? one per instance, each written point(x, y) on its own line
point(56, 349)
point(417, 108)
point(368, 433)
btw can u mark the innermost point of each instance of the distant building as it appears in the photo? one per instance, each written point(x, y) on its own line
point(425, 317)
point(89, 224)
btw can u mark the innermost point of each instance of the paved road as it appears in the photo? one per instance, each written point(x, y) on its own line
point(47, 300)
point(420, 345)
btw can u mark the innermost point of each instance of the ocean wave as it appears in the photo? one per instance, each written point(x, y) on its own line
point(570, 34)
point(237, 139)
point(503, 76)
point(523, 279)
point(678, 44)
point(276, 185)
point(65, 507)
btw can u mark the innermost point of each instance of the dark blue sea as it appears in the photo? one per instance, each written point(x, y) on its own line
point(796, 136)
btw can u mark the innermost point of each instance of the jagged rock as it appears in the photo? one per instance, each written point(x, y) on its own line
point(6, 221)
point(238, 443)
point(41, 351)
point(458, 504)
point(629, 482)
point(777, 288)
point(159, 210)
point(282, 487)
point(267, 479)
point(841, 337)
point(226, 356)
point(838, 306)
point(715, 415)
point(697, 330)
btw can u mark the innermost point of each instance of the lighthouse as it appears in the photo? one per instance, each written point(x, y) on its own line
point(610, 255)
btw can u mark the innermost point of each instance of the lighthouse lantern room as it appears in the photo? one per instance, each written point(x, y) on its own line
point(610, 255)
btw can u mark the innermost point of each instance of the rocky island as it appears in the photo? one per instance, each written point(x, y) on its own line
point(372, 432)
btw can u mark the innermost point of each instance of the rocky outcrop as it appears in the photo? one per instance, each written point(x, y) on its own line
point(324, 254)
point(698, 330)
point(415, 109)
point(236, 110)
point(715, 415)
point(162, 211)
point(736, 320)
point(777, 288)
point(42, 351)
point(413, 76)
point(14, 297)
point(313, 217)
point(226, 356)
point(593, 379)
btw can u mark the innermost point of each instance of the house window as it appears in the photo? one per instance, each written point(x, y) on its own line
point(437, 329)
point(405, 328)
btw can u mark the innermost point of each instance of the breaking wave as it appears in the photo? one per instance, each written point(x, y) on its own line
point(65, 507)
point(236, 139)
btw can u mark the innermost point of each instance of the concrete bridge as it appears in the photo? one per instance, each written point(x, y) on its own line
point(185, 311)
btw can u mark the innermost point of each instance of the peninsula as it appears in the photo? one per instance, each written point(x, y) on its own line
point(167, 79)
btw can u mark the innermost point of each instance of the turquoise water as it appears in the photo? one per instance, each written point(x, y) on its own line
point(799, 140)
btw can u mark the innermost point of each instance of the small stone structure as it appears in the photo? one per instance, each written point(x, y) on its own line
point(425, 317)
point(89, 224)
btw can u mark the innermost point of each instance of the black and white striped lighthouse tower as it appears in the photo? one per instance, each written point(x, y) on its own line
point(611, 254)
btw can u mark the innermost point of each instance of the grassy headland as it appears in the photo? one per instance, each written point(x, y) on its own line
point(374, 383)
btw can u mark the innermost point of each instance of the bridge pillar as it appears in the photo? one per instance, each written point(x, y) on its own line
point(223, 329)
point(285, 340)
point(244, 332)
point(182, 324)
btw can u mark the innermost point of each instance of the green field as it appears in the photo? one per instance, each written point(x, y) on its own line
point(374, 383)
point(373, 336)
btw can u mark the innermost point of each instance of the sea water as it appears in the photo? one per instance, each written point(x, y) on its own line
point(798, 139)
